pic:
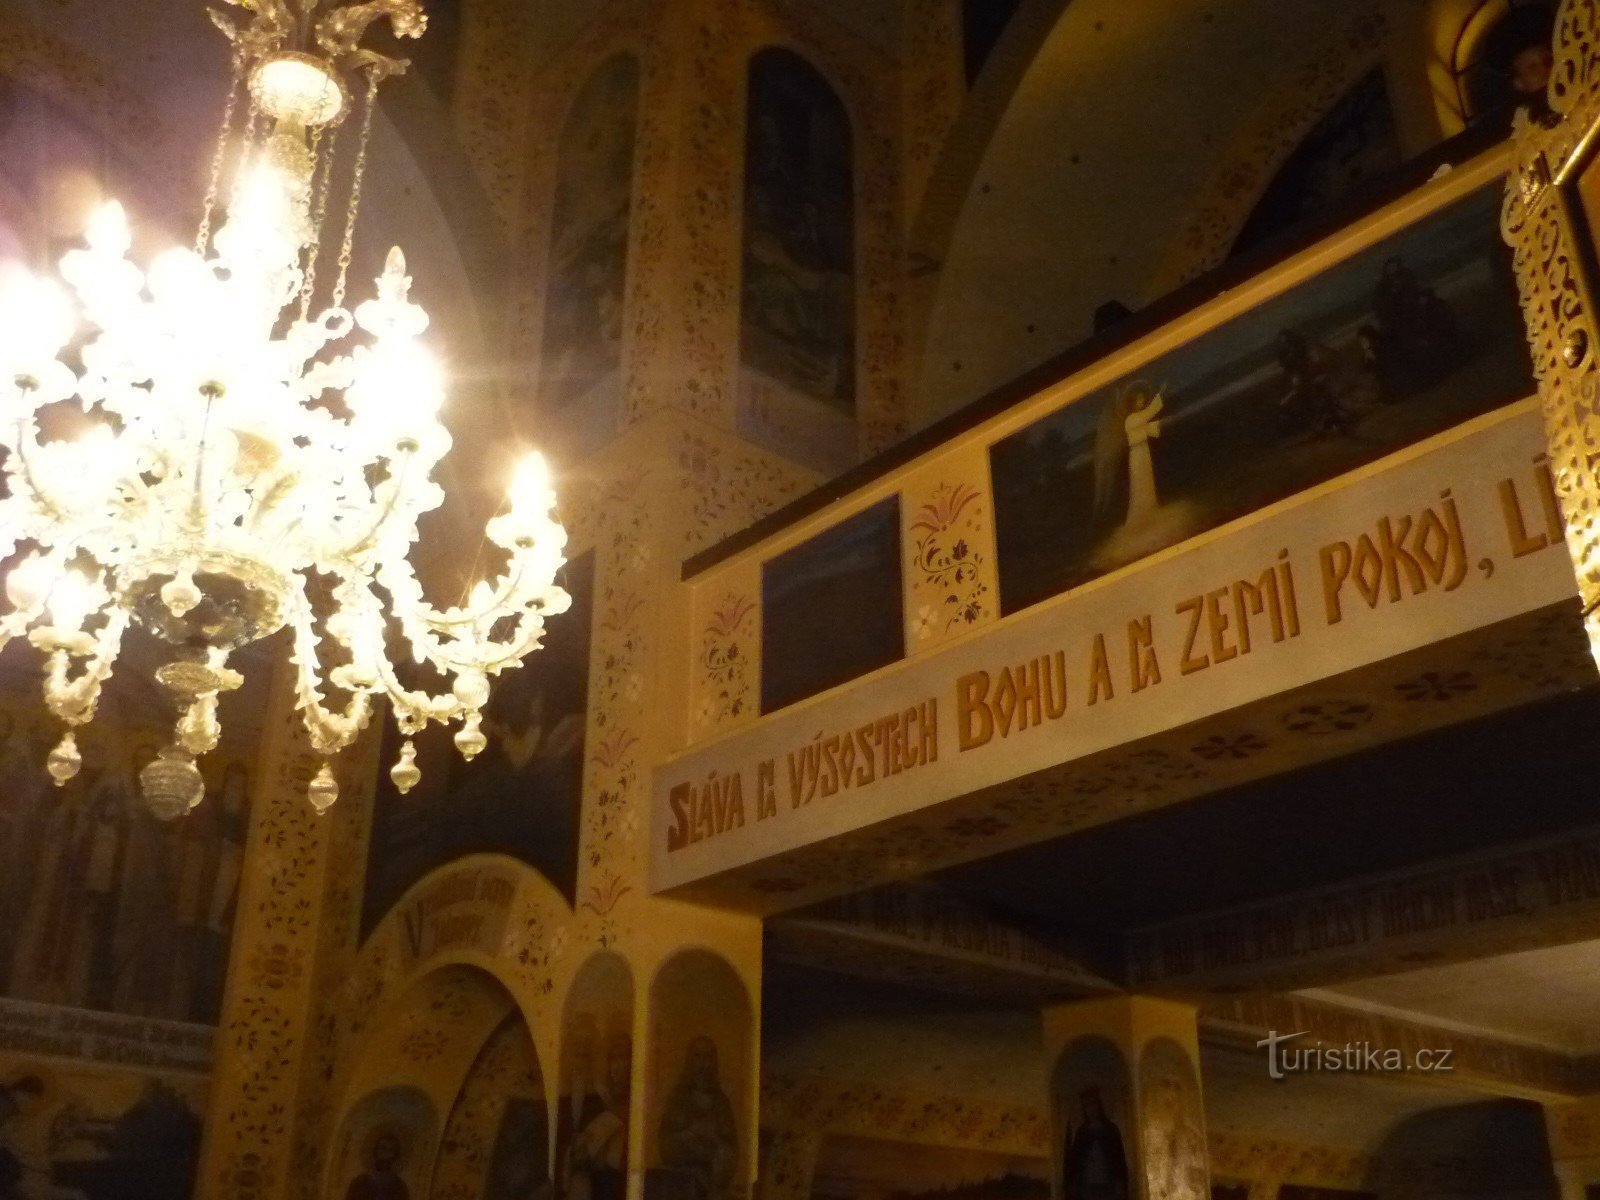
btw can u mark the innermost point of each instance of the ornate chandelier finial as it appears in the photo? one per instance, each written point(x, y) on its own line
point(251, 458)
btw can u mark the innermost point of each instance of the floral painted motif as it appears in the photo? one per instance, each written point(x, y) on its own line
point(727, 661)
point(950, 577)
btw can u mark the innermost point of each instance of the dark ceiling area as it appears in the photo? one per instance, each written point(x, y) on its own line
point(1519, 775)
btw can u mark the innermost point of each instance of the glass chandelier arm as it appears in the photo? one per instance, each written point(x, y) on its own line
point(331, 731)
point(73, 699)
point(461, 639)
point(26, 444)
point(360, 547)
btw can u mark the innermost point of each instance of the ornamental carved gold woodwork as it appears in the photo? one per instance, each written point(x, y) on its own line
point(1545, 224)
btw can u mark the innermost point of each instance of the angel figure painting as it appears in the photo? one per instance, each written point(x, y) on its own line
point(1352, 364)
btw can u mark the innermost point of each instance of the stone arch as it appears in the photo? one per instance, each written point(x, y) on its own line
point(702, 1047)
point(956, 165)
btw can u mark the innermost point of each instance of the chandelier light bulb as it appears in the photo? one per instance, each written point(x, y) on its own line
point(252, 443)
point(36, 319)
point(28, 583)
point(108, 233)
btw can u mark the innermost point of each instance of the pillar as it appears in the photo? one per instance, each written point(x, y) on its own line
point(1125, 1091)
point(298, 897)
point(1573, 1130)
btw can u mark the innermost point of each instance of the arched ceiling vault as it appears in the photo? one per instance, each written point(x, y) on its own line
point(1115, 133)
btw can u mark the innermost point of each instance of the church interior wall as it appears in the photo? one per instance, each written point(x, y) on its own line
point(494, 1008)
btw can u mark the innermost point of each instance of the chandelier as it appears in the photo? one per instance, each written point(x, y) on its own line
point(212, 450)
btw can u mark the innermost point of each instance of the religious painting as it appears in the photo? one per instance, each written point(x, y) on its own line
point(1175, 1150)
point(699, 1080)
point(1354, 143)
point(596, 1082)
point(831, 607)
point(519, 1164)
point(1413, 335)
point(385, 1146)
point(1092, 1097)
point(851, 1168)
point(521, 796)
point(583, 318)
point(97, 1135)
point(496, 1142)
point(798, 308)
point(102, 905)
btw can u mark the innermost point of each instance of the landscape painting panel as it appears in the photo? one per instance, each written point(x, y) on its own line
point(1410, 337)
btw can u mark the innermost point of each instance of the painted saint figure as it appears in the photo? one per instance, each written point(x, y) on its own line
point(1124, 469)
point(381, 1180)
point(1095, 1165)
point(699, 1138)
point(1140, 425)
point(596, 1165)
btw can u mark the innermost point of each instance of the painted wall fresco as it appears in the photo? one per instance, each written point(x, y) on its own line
point(850, 1168)
point(1355, 143)
point(519, 1164)
point(1092, 1097)
point(583, 321)
point(70, 1131)
point(699, 1080)
point(521, 796)
point(798, 310)
point(385, 1147)
point(1413, 335)
point(596, 1072)
point(1173, 1123)
point(831, 607)
point(102, 906)
point(496, 1143)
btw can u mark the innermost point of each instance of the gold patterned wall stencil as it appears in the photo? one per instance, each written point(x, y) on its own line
point(1548, 221)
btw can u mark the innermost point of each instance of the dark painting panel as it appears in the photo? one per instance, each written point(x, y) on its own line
point(582, 341)
point(97, 1135)
point(1355, 142)
point(1408, 338)
point(521, 796)
point(831, 607)
point(519, 1163)
point(798, 310)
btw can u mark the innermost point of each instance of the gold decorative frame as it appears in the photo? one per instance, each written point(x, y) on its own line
point(1553, 246)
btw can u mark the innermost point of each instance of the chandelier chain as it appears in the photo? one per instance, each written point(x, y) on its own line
point(219, 157)
point(353, 209)
point(320, 186)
